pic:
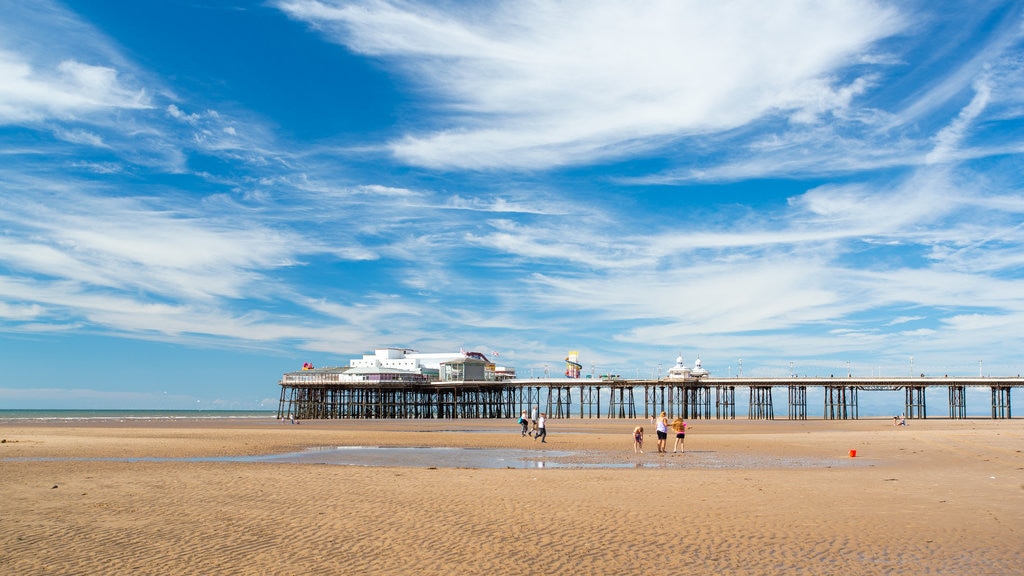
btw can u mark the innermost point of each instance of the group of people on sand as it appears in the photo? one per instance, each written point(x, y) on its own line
point(679, 426)
point(534, 425)
point(537, 424)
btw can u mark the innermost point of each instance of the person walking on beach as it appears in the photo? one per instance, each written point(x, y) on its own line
point(638, 440)
point(523, 421)
point(542, 430)
point(680, 426)
point(662, 430)
point(533, 421)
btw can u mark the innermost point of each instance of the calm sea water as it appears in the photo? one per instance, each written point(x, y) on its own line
point(64, 415)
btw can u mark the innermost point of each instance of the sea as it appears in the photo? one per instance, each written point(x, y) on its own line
point(71, 415)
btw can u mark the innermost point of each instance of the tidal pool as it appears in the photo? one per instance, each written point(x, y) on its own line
point(442, 457)
point(447, 457)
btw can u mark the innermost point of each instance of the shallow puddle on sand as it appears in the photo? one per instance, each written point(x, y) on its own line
point(441, 457)
point(447, 457)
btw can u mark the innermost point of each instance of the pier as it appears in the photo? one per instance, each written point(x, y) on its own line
point(320, 394)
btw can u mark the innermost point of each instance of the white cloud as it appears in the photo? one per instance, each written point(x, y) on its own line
point(949, 138)
point(178, 114)
point(865, 210)
point(904, 320)
point(542, 84)
point(134, 244)
point(83, 137)
point(70, 90)
point(19, 313)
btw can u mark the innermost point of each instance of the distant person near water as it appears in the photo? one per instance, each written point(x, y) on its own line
point(533, 421)
point(542, 429)
point(638, 440)
point(662, 430)
point(524, 422)
point(680, 426)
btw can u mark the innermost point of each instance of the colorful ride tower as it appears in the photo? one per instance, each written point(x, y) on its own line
point(572, 365)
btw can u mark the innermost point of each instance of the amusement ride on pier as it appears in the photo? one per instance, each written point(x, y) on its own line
point(403, 383)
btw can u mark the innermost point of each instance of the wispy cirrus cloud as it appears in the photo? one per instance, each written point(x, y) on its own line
point(73, 75)
point(139, 244)
point(542, 85)
point(70, 90)
point(954, 115)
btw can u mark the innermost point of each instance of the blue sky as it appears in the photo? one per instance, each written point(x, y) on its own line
point(198, 196)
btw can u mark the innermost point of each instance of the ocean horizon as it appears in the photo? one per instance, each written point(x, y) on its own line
point(124, 414)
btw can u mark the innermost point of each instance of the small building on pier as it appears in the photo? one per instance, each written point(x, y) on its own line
point(465, 368)
point(681, 372)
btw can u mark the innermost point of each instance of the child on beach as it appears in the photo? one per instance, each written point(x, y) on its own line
point(542, 429)
point(523, 422)
point(680, 426)
point(638, 440)
point(662, 431)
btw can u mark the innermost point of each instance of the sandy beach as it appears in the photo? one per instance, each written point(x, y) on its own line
point(747, 497)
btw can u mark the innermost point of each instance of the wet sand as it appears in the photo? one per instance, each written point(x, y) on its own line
point(748, 497)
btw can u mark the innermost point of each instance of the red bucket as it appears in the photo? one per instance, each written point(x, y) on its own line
point(853, 453)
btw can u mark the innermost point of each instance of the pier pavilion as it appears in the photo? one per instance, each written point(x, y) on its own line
point(327, 394)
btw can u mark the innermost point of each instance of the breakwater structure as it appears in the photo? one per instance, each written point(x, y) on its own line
point(463, 392)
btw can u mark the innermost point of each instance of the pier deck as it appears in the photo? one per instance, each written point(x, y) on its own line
point(319, 394)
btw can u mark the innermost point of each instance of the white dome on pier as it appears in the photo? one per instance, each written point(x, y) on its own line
point(698, 370)
point(679, 371)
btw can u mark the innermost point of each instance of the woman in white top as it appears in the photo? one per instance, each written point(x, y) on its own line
point(662, 430)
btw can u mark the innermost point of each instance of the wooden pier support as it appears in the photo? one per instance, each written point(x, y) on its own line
point(648, 403)
point(797, 403)
point(957, 402)
point(620, 404)
point(697, 402)
point(676, 407)
point(657, 399)
point(590, 401)
point(760, 407)
point(915, 403)
point(559, 402)
point(840, 403)
point(532, 399)
point(1001, 402)
point(725, 402)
